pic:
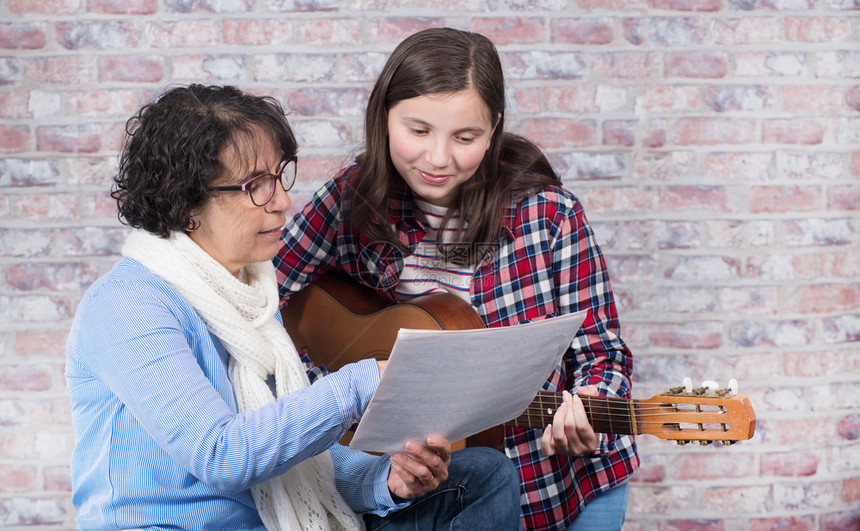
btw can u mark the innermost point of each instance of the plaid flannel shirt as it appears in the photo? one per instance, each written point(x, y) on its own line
point(547, 263)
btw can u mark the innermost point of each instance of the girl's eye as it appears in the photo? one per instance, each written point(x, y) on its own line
point(418, 131)
point(466, 139)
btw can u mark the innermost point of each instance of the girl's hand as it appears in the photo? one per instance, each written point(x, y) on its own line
point(570, 432)
point(420, 469)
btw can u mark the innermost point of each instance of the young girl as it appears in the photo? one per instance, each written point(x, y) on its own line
point(442, 198)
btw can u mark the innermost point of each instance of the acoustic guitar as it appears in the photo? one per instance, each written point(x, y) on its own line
point(338, 322)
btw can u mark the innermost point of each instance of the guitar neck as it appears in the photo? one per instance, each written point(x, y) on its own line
point(606, 415)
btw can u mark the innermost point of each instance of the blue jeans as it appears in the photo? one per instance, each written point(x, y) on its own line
point(605, 512)
point(482, 492)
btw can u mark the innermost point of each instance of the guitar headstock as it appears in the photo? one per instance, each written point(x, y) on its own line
point(704, 414)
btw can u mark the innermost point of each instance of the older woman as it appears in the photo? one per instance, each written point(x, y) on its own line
point(191, 407)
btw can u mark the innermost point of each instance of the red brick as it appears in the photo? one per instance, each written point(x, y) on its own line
point(41, 344)
point(818, 231)
point(823, 298)
point(114, 34)
point(841, 521)
point(772, 333)
point(123, 7)
point(749, 30)
point(25, 172)
point(634, 30)
point(612, 5)
point(581, 30)
point(58, 478)
point(714, 131)
point(65, 70)
point(131, 68)
point(17, 479)
point(770, 64)
point(625, 65)
point(749, 300)
point(807, 431)
point(184, 33)
point(329, 31)
point(796, 463)
point(619, 132)
point(395, 29)
point(734, 98)
point(699, 197)
point(22, 35)
point(91, 241)
point(45, 206)
point(208, 6)
point(111, 102)
point(196, 68)
point(818, 29)
point(786, 523)
point(811, 98)
point(702, 466)
point(694, 335)
point(14, 104)
point(750, 499)
point(810, 364)
point(312, 68)
point(579, 98)
point(851, 490)
point(781, 267)
point(80, 138)
point(510, 30)
point(25, 378)
point(793, 130)
point(34, 511)
point(686, 5)
point(710, 65)
point(14, 138)
point(670, 98)
point(57, 7)
point(852, 97)
point(556, 133)
point(842, 329)
point(544, 65)
point(842, 264)
point(849, 427)
point(52, 277)
point(257, 32)
point(677, 31)
point(785, 199)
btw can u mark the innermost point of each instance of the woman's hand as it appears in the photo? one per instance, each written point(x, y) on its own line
point(420, 469)
point(570, 432)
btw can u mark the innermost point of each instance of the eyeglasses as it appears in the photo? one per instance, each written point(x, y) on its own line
point(261, 188)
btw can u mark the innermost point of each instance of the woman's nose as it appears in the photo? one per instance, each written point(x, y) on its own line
point(280, 200)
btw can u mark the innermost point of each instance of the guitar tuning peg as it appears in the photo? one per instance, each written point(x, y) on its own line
point(688, 384)
point(705, 443)
point(728, 443)
point(711, 385)
point(681, 442)
point(733, 386)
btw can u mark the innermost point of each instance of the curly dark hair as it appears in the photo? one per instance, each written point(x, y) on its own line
point(170, 157)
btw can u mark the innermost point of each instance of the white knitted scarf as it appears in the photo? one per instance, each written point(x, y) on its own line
point(242, 315)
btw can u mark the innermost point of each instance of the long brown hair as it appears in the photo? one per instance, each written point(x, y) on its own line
point(445, 60)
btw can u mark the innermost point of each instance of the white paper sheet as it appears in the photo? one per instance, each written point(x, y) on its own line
point(456, 383)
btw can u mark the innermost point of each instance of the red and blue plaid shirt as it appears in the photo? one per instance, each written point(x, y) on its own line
point(547, 263)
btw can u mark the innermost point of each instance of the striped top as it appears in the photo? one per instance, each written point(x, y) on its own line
point(160, 443)
point(425, 270)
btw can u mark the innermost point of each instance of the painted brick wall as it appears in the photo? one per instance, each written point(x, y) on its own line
point(714, 143)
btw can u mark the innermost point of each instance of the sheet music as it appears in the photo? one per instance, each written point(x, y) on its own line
point(456, 383)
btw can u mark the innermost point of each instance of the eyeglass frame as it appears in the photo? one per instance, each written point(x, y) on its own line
point(278, 177)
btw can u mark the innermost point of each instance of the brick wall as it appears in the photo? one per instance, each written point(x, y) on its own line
point(714, 143)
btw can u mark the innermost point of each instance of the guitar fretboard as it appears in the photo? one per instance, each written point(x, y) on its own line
point(606, 415)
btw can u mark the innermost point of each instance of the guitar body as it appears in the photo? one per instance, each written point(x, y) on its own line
point(339, 322)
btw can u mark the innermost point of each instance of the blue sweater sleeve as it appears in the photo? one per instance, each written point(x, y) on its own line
point(138, 341)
